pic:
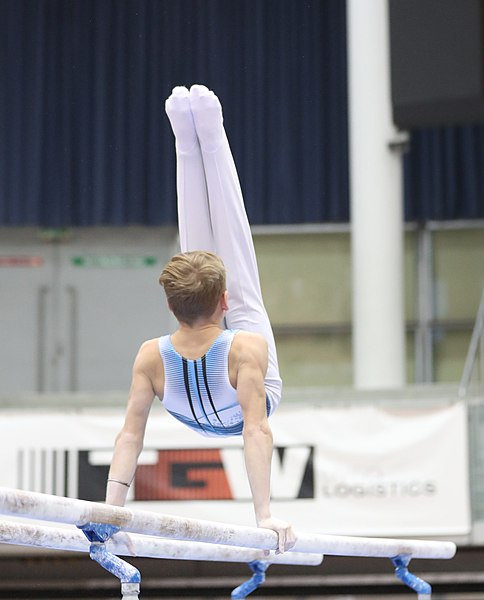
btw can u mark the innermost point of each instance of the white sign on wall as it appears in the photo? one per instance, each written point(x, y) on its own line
point(348, 471)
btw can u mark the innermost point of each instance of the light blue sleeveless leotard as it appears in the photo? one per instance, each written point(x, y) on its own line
point(198, 392)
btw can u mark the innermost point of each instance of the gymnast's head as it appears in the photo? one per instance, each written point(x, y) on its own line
point(194, 284)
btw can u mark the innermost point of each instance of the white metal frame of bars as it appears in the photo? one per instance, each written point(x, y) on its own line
point(188, 539)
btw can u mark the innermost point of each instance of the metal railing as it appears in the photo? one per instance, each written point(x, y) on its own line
point(473, 374)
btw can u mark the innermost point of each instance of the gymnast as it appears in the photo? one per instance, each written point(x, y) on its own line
point(218, 372)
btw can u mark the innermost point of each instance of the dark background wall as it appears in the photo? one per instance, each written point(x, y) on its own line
point(84, 139)
point(437, 73)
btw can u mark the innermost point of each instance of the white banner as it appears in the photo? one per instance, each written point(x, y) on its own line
point(349, 471)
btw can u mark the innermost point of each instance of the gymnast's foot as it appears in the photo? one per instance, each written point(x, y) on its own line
point(207, 114)
point(177, 108)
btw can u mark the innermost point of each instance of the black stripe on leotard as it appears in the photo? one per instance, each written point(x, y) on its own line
point(187, 389)
point(205, 380)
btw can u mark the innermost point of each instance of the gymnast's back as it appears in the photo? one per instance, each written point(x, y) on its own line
point(198, 391)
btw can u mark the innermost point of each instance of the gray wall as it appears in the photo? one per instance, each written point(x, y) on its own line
point(75, 306)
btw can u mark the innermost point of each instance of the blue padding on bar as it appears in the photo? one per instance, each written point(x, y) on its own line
point(98, 532)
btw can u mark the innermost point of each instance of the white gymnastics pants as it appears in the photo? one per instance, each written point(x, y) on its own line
point(211, 213)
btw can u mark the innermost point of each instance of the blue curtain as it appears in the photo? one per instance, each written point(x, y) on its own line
point(83, 135)
point(84, 139)
point(444, 174)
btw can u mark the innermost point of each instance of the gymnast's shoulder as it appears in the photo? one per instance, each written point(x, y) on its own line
point(249, 345)
point(148, 354)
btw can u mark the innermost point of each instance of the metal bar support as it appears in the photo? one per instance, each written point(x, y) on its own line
point(423, 589)
point(129, 576)
point(259, 568)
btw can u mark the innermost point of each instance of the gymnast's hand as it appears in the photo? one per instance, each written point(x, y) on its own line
point(285, 533)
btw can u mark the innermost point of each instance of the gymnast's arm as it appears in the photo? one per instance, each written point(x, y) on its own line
point(257, 434)
point(129, 441)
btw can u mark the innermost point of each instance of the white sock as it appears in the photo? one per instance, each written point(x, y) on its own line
point(177, 107)
point(207, 114)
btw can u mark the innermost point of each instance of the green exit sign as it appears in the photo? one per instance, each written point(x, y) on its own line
point(113, 261)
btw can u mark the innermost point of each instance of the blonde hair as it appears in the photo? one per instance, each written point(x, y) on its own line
point(194, 283)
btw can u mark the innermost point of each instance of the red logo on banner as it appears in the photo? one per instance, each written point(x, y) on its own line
point(21, 261)
point(183, 475)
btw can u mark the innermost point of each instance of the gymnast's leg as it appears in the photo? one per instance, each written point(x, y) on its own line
point(231, 230)
point(193, 210)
